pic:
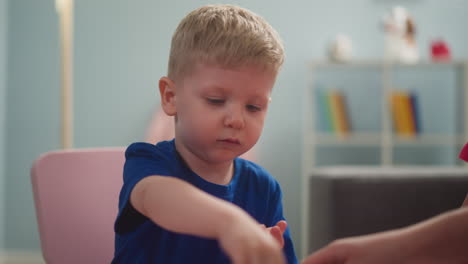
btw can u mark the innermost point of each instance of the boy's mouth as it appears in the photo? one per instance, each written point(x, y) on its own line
point(230, 141)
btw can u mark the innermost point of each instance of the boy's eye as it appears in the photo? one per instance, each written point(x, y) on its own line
point(253, 108)
point(215, 101)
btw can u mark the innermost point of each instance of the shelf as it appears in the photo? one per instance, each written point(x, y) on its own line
point(428, 140)
point(375, 139)
point(441, 90)
point(370, 139)
point(381, 64)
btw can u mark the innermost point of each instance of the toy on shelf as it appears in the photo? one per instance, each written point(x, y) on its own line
point(440, 51)
point(400, 42)
point(340, 49)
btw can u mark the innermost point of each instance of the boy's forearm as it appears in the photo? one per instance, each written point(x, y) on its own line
point(443, 238)
point(180, 207)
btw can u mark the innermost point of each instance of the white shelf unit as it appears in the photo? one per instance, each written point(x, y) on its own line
point(382, 138)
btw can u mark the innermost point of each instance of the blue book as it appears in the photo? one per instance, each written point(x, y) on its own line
point(416, 112)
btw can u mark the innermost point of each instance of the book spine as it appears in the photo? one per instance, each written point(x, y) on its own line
point(347, 114)
point(332, 111)
point(339, 115)
point(408, 120)
point(416, 113)
point(396, 112)
point(403, 114)
point(343, 121)
point(324, 111)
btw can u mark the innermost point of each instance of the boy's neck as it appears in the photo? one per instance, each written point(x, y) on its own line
point(217, 173)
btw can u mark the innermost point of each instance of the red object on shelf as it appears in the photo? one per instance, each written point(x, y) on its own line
point(464, 153)
point(440, 51)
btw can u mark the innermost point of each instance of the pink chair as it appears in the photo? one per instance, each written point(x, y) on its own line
point(76, 198)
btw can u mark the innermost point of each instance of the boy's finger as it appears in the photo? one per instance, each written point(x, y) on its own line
point(282, 225)
point(277, 234)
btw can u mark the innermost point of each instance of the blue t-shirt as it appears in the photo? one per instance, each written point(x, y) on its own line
point(140, 240)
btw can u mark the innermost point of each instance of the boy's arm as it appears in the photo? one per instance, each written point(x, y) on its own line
point(180, 207)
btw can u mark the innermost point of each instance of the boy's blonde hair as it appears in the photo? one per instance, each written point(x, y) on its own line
point(224, 35)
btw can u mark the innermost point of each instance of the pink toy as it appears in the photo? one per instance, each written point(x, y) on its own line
point(161, 127)
point(464, 154)
point(440, 51)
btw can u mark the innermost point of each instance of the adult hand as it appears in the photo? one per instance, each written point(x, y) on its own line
point(381, 248)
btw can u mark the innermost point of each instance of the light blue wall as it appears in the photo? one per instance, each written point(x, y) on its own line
point(121, 50)
point(32, 110)
point(3, 63)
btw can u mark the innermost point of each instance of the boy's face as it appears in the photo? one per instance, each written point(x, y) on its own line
point(220, 112)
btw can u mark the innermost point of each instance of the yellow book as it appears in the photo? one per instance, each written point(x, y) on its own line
point(403, 118)
point(343, 122)
point(395, 105)
point(408, 116)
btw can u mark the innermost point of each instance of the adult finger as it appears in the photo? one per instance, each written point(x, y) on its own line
point(323, 256)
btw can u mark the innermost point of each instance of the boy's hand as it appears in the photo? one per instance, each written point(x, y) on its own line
point(277, 231)
point(246, 242)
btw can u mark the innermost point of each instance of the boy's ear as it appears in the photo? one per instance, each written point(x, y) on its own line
point(168, 95)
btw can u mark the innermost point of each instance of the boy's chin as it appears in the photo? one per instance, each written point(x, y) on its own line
point(224, 156)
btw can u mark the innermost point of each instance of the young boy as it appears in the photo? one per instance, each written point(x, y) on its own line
point(192, 200)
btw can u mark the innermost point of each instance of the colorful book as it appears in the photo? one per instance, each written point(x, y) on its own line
point(347, 114)
point(339, 114)
point(395, 112)
point(416, 113)
point(408, 120)
point(323, 111)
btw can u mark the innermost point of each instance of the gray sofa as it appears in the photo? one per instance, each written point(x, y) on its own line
point(348, 201)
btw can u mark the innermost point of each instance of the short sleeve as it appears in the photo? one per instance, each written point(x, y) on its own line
point(141, 160)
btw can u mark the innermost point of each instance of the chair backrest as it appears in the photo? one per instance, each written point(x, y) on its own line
point(76, 198)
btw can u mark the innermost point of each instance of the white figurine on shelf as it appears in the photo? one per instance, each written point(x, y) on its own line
point(340, 49)
point(400, 43)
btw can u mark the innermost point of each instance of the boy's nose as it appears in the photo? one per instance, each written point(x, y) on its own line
point(234, 118)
